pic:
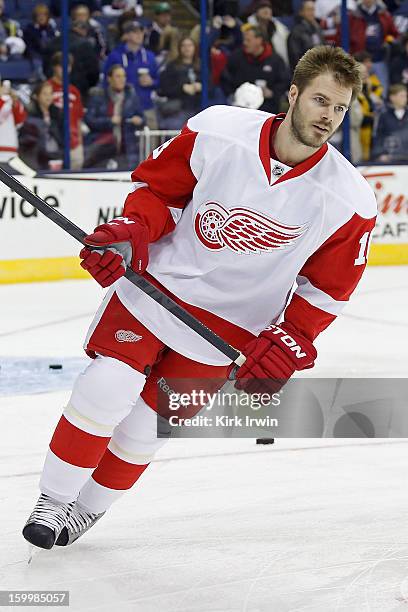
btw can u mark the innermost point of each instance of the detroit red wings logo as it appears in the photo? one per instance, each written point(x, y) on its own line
point(242, 230)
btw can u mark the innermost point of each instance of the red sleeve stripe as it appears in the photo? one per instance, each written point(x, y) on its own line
point(307, 319)
point(151, 210)
point(335, 267)
point(318, 298)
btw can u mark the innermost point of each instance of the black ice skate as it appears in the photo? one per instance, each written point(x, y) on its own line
point(46, 521)
point(79, 522)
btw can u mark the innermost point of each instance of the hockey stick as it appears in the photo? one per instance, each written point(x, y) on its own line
point(146, 286)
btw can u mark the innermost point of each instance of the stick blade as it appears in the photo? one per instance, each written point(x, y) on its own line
point(17, 164)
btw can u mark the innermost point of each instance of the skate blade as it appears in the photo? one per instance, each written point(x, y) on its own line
point(32, 552)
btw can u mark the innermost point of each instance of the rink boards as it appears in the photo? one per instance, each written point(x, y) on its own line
point(32, 248)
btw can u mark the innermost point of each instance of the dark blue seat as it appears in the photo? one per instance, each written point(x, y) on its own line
point(10, 8)
point(24, 8)
point(287, 20)
point(16, 70)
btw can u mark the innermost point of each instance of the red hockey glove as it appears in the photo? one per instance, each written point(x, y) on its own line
point(275, 355)
point(130, 241)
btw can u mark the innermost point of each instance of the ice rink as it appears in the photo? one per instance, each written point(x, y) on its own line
point(214, 525)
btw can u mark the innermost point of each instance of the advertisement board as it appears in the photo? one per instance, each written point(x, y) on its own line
point(32, 248)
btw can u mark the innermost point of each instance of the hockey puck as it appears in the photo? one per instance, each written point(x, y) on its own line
point(265, 440)
point(55, 366)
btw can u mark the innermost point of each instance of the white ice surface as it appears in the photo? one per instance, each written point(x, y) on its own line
point(219, 525)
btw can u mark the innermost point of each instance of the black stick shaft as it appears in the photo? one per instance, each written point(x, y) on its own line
point(141, 282)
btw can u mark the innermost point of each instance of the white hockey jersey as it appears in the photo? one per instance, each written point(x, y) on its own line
point(12, 116)
point(234, 231)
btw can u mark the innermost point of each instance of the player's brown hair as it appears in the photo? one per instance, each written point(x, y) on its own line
point(333, 60)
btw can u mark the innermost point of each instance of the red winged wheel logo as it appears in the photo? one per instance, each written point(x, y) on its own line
point(242, 230)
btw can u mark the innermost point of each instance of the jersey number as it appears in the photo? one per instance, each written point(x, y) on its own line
point(161, 148)
point(362, 254)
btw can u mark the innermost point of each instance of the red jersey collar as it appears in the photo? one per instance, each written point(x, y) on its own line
point(265, 146)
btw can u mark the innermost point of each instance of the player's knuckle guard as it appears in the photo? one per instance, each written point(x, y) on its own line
point(293, 345)
point(129, 238)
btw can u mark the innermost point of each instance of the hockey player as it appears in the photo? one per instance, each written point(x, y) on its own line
point(227, 217)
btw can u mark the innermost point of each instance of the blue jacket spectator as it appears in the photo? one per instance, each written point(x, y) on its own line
point(139, 63)
point(39, 32)
point(113, 115)
point(391, 137)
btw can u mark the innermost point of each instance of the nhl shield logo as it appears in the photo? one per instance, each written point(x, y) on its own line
point(277, 170)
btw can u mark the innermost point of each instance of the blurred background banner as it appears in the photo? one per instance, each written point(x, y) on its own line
point(96, 85)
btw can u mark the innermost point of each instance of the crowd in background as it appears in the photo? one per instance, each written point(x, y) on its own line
point(132, 66)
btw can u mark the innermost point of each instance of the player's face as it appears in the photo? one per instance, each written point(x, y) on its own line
point(318, 111)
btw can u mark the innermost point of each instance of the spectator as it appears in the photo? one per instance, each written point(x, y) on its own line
point(305, 34)
point(115, 8)
point(225, 34)
point(372, 29)
point(41, 136)
point(180, 84)
point(356, 119)
point(275, 31)
point(39, 32)
point(95, 36)
point(11, 36)
point(370, 100)
point(12, 116)
point(163, 37)
point(113, 115)
point(115, 31)
point(93, 5)
point(257, 63)
point(400, 17)
point(76, 110)
point(141, 68)
point(85, 68)
point(399, 63)
point(327, 13)
point(280, 8)
point(391, 136)
point(376, 88)
point(218, 61)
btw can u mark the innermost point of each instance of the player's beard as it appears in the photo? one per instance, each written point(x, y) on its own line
point(302, 130)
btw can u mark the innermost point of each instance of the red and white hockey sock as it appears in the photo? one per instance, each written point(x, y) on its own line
point(111, 479)
point(103, 395)
point(71, 459)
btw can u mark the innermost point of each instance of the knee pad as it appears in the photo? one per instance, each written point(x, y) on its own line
point(135, 439)
point(103, 395)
